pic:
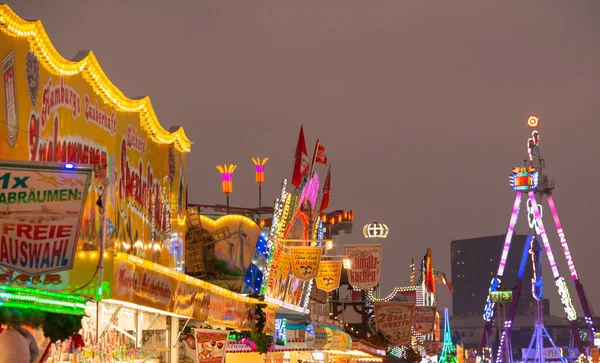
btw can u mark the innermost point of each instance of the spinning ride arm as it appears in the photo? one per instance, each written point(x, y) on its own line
point(488, 314)
point(563, 290)
point(515, 301)
point(578, 286)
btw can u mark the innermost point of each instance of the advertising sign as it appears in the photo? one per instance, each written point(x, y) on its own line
point(305, 262)
point(432, 347)
point(57, 110)
point(210, 345)
point(135, 281)
point(143, 286)
point(329, 275)
point(395, 319)
point(323, 337)
point(341, 341)
point(424, 319)
point(280, 268)
point(40, 213)
point(366, 262)
point(309, 335)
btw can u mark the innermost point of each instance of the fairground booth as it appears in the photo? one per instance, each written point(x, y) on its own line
point(93, 210)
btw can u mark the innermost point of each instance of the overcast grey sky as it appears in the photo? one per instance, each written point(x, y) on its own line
point(420, 105)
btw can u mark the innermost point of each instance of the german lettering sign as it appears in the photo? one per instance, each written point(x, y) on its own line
point(40, 215)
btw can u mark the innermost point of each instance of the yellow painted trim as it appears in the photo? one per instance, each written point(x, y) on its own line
point(234, 217)
point(187, 279)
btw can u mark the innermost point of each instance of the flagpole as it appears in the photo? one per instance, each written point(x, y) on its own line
point(294, 157)
point(312, 164)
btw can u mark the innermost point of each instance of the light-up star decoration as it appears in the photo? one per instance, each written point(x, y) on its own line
point(524, 178)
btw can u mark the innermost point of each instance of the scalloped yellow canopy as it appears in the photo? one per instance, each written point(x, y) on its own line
point(89, 68)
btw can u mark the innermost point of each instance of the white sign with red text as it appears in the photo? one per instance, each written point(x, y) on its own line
point(40, 215)
point(366, 263)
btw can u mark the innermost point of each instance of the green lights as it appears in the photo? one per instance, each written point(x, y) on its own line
point(22, 297)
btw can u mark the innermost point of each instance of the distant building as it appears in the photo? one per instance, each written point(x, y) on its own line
point(475, 263)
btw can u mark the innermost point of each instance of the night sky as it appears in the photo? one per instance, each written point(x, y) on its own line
point(421, 105)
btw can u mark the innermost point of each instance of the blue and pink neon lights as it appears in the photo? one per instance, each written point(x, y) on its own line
point(310, 191)
point(511, 230)
point(563, 239)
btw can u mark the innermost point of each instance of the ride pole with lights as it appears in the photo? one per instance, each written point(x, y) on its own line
point(259, 173)
point(226, 179)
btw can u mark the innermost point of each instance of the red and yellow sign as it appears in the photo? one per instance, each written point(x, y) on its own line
point(210, 345)
point(280, 272)
point(305, 262)
point(58, 110)
point(329, 276)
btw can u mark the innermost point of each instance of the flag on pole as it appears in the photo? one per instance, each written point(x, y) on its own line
point(321, 157)
point(326, 190)
point(301, 165)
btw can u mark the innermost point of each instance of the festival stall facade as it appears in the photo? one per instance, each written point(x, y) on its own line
point(277, 254)
point(126, 249)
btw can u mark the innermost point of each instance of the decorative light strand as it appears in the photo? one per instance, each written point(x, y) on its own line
point(90, 69)
point(20, 297)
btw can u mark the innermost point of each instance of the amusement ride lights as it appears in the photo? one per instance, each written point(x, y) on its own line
point(525, 179)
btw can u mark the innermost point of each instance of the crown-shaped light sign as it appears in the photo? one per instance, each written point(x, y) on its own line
point(375, 230)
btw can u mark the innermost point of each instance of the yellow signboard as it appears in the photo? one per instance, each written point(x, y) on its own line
point(305, 262)
point(329, 276)
point(57, 110)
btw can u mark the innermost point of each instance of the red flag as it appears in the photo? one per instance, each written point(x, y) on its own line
point(326, 190)
point(321, 157)
point(301, 163)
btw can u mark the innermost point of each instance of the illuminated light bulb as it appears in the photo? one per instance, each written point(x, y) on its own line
point(533, 122)
point(347, 263)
